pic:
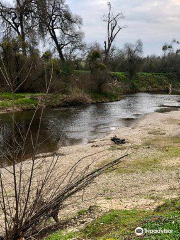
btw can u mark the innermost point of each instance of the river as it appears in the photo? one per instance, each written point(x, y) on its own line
point(79, 125)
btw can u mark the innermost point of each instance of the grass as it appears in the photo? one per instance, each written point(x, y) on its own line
point(165, 149)
point(61, 236)
point(105, 97)
point(21, 100)
point(142, 81)
point(163, 142)
point(82, 212)
point(24, 101)
point(117, 224)
point(8, 96)
point(121, 224)
point(140, 165)
point(5, 104)
point(169, 147)
point(16, 96)
point(108, 225)
point(27, 101)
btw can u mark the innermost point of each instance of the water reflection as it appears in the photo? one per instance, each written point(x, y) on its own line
point(69, 126)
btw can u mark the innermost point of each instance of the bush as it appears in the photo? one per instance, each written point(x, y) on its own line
point(77, 98)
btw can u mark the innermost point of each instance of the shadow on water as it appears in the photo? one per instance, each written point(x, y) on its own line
point(78, 125)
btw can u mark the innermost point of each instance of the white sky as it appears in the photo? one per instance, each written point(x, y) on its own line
point(153, 21)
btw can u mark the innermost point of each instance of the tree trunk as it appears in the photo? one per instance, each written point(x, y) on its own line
point(23, 37)
point(60, 53)
point(59, 49)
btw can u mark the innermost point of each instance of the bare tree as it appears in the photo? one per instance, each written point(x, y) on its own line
point(113, 29)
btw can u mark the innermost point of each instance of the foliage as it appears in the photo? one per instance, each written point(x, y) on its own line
point(66, 68)
point(95, 61)
point(104, 97)
point(19, 20)
point(98, 69)
point(133, 53)
point(62, 25)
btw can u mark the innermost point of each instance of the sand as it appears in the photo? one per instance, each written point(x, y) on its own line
point(145, 179)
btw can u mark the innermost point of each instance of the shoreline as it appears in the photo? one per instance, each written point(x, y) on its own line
point(61, 102)
point(147, 177)
point(29, 102)
point(149, 139)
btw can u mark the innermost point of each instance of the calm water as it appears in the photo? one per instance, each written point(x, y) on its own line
point(69, 126)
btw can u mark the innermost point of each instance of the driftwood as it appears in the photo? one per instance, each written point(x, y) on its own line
point(170, 89)
point(117, 140)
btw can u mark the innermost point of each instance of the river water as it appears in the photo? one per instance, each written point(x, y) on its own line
point(78, 125)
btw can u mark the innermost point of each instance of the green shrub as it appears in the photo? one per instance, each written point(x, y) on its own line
point(104, 97)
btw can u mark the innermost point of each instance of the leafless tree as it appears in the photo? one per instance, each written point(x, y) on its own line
point(113, 29)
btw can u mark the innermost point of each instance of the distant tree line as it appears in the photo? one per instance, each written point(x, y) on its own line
point(43, 39)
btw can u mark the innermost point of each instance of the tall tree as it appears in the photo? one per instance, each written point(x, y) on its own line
point(98, 69)
point(19, 19)
point(133, 53)
point(113, 29)
point(57, 20)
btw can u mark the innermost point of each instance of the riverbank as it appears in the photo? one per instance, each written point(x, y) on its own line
point(29, 101)
point(146, 179)
point(141, 82)
point(119, 85)
point(151, 143)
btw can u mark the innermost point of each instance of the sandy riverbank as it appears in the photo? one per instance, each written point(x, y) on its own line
point(147, 177)
point(144, 180)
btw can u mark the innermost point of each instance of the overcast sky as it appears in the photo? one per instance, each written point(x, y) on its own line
point(154, 22)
